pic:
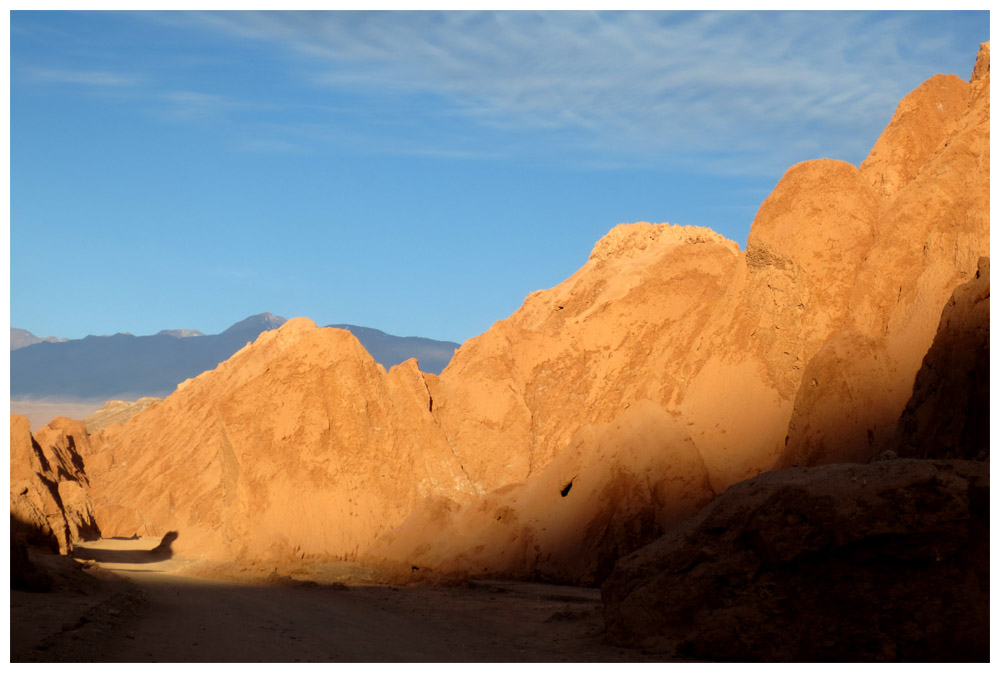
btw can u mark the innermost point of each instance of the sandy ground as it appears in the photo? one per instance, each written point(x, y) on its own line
point(126, 606)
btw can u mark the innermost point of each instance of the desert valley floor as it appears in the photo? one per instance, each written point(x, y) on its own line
point(136, 607)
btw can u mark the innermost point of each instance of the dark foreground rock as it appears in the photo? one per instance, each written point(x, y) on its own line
point(25, 575)
point(881, 562)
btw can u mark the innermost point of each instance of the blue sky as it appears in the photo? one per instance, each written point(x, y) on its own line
point(420, 173)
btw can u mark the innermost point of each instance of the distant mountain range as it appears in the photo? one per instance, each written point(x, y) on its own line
point(124, 366)
point(19, 338)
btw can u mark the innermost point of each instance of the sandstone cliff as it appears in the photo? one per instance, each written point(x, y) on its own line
point(802, 350)
point(614, 487)
point(884, 561)
point(948, 415)
point(49, 504)
point(298, 445)
point(930, 169)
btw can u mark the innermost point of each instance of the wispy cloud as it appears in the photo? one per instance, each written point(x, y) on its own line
point(635, 82)
point(210, 107)
point(197, 106)
point(269, 146)
point(92, 78)
point(724, 91)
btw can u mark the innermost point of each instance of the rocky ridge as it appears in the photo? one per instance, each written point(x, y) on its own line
point(20, 338)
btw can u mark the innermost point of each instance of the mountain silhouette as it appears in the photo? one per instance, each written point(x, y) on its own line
point(19, 338)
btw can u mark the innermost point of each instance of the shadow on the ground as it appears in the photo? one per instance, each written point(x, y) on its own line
point(160, 552)
point(180, 618)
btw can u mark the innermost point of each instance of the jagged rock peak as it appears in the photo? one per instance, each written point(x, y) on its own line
point(915, 132)
point(297, 325)
point(289, 331)
point(19, 338)
point(631, 240)
point(924, 123)
point(982, 68)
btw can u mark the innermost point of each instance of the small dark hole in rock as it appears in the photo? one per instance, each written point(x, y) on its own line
point(565, 489)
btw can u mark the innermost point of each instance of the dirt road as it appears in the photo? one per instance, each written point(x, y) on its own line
point(161, 613)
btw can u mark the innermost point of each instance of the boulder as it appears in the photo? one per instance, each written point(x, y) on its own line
point(881, 562)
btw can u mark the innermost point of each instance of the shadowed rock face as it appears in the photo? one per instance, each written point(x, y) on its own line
point(25, 575)
point(614, 488)
point(880, 562)
point(49, 503)
point(948, 415)
point(933, 221)
point(887, 561)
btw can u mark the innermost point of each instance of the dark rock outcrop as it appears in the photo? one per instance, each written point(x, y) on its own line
point(948, 415)
point(25, 574)
point(881, 562)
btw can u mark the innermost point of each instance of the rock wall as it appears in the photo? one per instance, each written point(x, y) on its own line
point(615, 487)
point(800, 351)
point(948, 415)
point(886, 561)
point(49, 503)
point(931, 171)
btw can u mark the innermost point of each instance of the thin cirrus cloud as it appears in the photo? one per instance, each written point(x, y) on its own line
point(200, 106)
point(733, 83)
point(89, 78)
point(178, 105)
point(269, 146)
point(724, 92)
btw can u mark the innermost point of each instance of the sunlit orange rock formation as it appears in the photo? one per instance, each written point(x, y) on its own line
point(49, 504)
point(606, 409)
